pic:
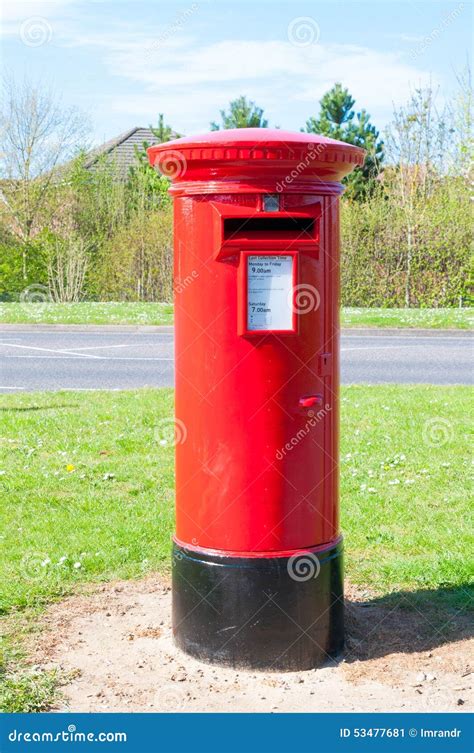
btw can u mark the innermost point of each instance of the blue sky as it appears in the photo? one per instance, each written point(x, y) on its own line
point(123, 62)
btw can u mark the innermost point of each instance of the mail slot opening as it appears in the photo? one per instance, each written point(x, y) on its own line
point(251, 228)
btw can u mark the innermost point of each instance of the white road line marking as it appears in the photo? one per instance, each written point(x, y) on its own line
point(97, 358)
point(48, 350)
point(4, 387)
point(100, 347)
point(107, 333)
point(433, 339)
point(380, 347)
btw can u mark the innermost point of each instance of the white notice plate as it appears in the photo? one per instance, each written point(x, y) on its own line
point(269, 285)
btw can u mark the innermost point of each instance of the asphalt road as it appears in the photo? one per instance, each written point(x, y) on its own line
point(31, 359)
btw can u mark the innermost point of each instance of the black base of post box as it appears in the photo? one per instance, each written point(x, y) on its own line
point(269, 613)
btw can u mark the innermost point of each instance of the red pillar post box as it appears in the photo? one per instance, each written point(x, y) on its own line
point(257, 555)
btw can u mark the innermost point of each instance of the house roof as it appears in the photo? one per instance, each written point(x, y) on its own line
point(122, 148)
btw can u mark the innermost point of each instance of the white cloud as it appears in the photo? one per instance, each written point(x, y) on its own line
point(15, 11)
point(179, 72)
point(409, 38)
point(33, 23)
point(173, 72)
point(375, 78)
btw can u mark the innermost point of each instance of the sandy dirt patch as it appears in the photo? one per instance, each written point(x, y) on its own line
point(117, 642)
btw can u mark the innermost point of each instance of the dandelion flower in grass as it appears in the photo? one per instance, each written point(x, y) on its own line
point(70, 468)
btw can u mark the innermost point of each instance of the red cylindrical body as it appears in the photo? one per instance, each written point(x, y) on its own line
point(257, 339)
point(243, 482)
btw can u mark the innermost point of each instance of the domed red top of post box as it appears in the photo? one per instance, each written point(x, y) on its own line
point(283, 158)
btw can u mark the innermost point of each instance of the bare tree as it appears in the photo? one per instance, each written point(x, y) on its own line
point(462, 113)
point(417, 144)
point(67, 266)
point(37, 135)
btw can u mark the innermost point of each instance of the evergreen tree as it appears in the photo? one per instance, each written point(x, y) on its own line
point(152, 186)
point(242, 114)
point(164, 132)
point(338, 120)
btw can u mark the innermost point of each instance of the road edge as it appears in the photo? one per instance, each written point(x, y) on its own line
point(169, 329)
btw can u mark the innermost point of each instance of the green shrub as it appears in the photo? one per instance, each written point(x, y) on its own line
point(12, 278)
point(136, 263)
point(375, 255)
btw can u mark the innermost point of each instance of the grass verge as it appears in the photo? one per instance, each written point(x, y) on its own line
point(162, 313)
point(86, 482)
point(87, 313)
point(408, 318)
point(29, 692)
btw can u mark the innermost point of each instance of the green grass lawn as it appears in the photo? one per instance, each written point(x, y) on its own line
point(408, 318)
point(86, 485)
point(162, 313)
point(87, 313)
